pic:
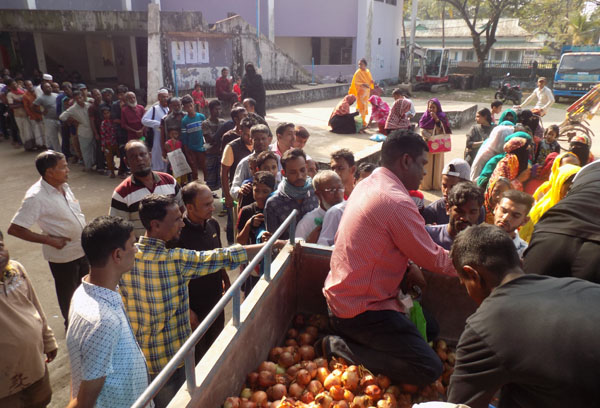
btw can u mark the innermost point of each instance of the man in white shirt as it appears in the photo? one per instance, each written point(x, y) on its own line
point(51, 204)
point(544, 96)
point(108, 368)
point(78, 115)
point(511, 213)
point(152, 120)
point(330, 191)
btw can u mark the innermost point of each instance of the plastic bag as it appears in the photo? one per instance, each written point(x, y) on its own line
point(418, 318)
point(378, 137)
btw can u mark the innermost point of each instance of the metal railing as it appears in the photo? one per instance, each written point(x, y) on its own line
point(186, 352)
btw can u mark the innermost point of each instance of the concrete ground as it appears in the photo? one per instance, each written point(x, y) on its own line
point(94, 192)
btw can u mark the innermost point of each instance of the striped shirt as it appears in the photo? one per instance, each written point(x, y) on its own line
point(381, 229)
point(156, 297)
point(191, 132)
point(126, 198)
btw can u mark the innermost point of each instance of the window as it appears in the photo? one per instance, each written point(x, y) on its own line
point(498, 56)
point(392, 2)
point(514, 56)
point(469, 55)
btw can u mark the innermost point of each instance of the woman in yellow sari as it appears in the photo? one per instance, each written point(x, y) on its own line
point(362, 83)
point(560, 181)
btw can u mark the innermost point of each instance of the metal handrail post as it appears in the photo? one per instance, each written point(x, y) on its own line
point(186, 352)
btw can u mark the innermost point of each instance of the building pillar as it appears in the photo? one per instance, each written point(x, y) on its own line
point(134, 62)
point(155, 62)
point(126, 4)
point(89, 46)
point(31, 5)
point(39, 51)
point(272, 20)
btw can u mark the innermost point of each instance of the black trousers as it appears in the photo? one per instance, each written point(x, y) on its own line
point(386, 342)
point(67, 277)
point(563, 256)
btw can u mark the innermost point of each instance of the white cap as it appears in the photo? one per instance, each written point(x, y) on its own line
point(163, 91)
point(457, 168)
point(47, 77)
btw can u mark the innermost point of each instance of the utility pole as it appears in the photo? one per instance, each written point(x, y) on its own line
point(413, 28)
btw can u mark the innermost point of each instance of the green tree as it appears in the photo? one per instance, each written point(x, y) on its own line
point(481, 17)
point(550, 18)
point(582, 30)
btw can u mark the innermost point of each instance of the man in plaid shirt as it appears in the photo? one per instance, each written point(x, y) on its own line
point(155, 293)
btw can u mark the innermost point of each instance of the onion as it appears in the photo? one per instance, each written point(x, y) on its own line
point(260, 398)
point(306, 338)
point(368, 380)
point(324, 400)
point(322, 373)
point(277, 392)
point(245, 403)
point(246, 393)
point(274, 353)
point(373, 391)
point(296, 355)
point(394, 390)
point(337, 392)
point(295, 390)
point(439, 387)
point(298, 320)
point(391, 398)
point(292, 333)
point(451, 358)
point(307, 352)
point(266, 379)
point(383, 382)
point(291, 371)
point(350, 380)
point(348, 396)
point(291, 342)
point(362, 401)
point(303, 377)
point(307, 397)
point(441, 345)
point(267, 366)
point(315, 387)
point(340, 404)
point(311, 367)
point(282, 379)
point(286, 359)
point(320, 362)
point(232, 402)
point(385, 404)
point(331, 380)
point(252, 380)
point(312, 330)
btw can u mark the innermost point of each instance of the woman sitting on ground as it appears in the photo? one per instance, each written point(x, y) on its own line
point(341, 120)
point(380, 111)
point(398, 117)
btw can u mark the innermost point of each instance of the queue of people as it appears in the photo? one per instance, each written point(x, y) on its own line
point(132, 285)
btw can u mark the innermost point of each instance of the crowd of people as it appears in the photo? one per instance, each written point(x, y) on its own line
point(132, 285)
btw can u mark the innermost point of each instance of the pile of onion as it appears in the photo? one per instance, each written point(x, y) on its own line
point(294, 377)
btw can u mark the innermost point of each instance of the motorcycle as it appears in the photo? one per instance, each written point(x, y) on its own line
point(509, 91)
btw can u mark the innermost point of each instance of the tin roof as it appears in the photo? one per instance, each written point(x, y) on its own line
point(507, 27)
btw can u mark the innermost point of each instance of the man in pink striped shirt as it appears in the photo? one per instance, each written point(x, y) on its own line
point(380, 231)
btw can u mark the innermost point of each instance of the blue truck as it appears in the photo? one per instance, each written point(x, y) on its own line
point(578, 71)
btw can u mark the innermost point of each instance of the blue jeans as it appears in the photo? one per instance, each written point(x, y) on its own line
point(386, 342)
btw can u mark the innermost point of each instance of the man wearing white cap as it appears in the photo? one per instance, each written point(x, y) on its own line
point(152, 120)
point(454, 172)
point(38, 89)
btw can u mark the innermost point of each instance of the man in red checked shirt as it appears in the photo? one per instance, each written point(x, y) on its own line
point(131, 117)
point(380, 231)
